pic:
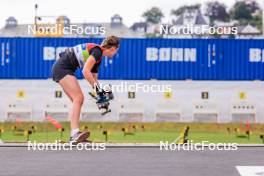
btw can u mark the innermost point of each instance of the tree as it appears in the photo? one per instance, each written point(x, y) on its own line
point(240, 11)
point(216, 11)
point(245, 13)
point(252, 6)
point(154, 15)
point(180, 10)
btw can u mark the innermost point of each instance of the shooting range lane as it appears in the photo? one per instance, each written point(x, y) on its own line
point(127, 161)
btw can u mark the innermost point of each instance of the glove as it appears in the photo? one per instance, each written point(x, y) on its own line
point(101, 98)
point(103, 95)
point(98, 90)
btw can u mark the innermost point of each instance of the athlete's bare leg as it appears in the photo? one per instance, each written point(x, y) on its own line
point(72, 88)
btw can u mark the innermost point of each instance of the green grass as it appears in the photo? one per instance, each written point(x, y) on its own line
point(152, 132)
point(220, 137)
point(115, 136)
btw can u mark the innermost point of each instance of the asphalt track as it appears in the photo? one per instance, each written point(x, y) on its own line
point(127, 161)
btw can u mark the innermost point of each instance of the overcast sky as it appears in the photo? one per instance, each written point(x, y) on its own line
point(90, 11)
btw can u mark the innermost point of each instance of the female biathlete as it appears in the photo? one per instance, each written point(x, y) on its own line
point(87, 56)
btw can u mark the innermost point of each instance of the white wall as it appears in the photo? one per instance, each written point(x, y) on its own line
point(184, 92)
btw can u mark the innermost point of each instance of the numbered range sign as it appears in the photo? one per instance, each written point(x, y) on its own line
point(131, 95)
point(58, 94)
point(167, 95)
point(205, 95)
point(242, 95)
point(21, 94)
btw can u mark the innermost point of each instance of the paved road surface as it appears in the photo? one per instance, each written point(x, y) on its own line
point(18, 161)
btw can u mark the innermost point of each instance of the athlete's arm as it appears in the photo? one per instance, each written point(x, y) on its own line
point(87, 71)
point(95, 75)
point(90, 70)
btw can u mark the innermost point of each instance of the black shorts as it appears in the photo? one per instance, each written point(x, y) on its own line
point(67, 64)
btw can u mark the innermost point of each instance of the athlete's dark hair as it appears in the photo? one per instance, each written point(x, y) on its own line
point(110, 41)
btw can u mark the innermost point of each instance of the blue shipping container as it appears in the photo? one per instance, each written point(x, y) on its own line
point(142, 59)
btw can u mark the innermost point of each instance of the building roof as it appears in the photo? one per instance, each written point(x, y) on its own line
point(23, 30)
point(137, 25)
point(248, 30)
point(226, 24)
point(191, 17)
point(11, 19)
point(116, 16)
point(17, 31)
point(118, 29)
